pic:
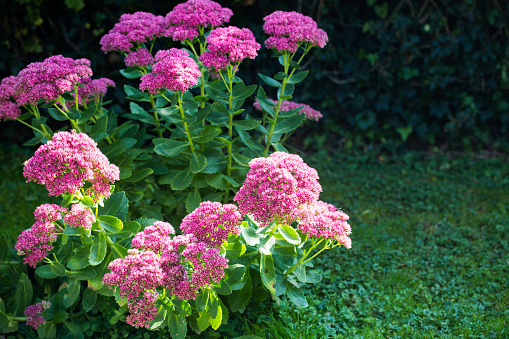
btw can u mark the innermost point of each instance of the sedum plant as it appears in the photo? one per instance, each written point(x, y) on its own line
point(188, 206)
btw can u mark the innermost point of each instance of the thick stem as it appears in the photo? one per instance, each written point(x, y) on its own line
point(186, 127)
point(229, 87)
point(301, 260)
point(156, 117)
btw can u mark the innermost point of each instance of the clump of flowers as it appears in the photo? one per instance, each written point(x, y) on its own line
point(311, 114)
point(9, 110)
point(154, 238)
point(133, 29)
point(229, 45)
point(49, 79)
point(289, 30)
point(93, 89)
point(323, 220)
point(275, 188)
point(212, 222)
point(188, 18)
point(69, 160)
point(34, 314)
point(79, 216)
point(173, 69)
point(141, 57)
point(36, 242)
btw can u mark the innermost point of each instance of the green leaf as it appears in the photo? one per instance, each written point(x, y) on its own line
point(193, 200)
point(24, 294)
point(73, 331)
point(118, 146)
point(313, 277)
point(215, 321)
point(289, 124)
point(215, 163)
point(235, 273)
point(86, 273)
point(57, 268)
point(182, 180)
point(3, 319)
point(249, 235)
point(57, 114)
point(60, 317)
point(98, 249)
point(246, 139)
point(79, 259)
point(267, 105)
point(182, 307)
point(246, 124)
point(73, 113)
point(207, 133)
point(296, 296)
point(269, 81)
point(45, 272)
point(115, 205)
point(177, 325)
point(171, 148)
point(131, 73)
point(289, 234)
point(139, 174)
point(110, 223)
point(235, 249)
point(296, 78)
point(223, 289)
point(135, 94)
point(89, 299)
point(198, 162)
point(202, 300)
point(118, 251)
point(74, 292)
point(238, 300)
point(300, 273)
point(268, 272)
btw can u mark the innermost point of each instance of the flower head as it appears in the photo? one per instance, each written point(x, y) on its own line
point(290, 29)
point(93, 89)
point(174, 70)
point(49, 79)
point(69, 160)
point(212, 222)
point(136, 28)
point(323, 220)
point(33, 313)
point(187, 18)
point(8, 107)
point(154, 238)
point(49, 212)
point(141, 57)
point(229, 45)
point(311, 114)
point(79, 216)
point(276, 187)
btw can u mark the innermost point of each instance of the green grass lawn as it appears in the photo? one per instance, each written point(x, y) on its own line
point(430, 256)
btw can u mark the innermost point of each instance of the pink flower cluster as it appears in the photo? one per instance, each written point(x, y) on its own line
point(34, 314)
point(229, 45)
point(276, 187)
point(64, 163)
point(35, 242)
point(187, 18)
point(79, 216)
point(174, 70)
point(49, 79)
point(141, 57)
point(182, 265)
point(212, 222)
point(311, 114)
point(290, 29)
point(136, 28)
point(8, 107)
point(323, 220)
point(93, 89)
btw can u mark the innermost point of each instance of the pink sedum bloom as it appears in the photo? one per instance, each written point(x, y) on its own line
point(212, 222)
point(154, 238)
point(290, 29)
point(133, 29)
point(49, 212)
point(323, 220)
point(143, 310)
point(187, 18)
point(79, 216)
point(141, 57)
point(69, 160)
point(33, 313)
point(311, 114)
point(174, 70)
point(276, 187)
point(49, 79)
point(90, 90)
point(9, 110)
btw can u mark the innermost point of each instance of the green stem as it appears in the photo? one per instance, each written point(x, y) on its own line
point(156, 117)
point(73, 122)
point(186, 127)
point(301, 260)
point(17, 318)
point(229, 87)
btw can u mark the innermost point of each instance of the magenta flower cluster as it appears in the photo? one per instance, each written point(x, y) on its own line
point(323, 220)
point(141, 57)
point(49, 79)
point(93, 89)
point(8, 107)
point(276, 187)
point(186, 19)
point(69, 160)
point(34, 314)
point(133, 30)
point(35, 242)
point(212, 223)
point(311, 114)
point(229, 45)
point(182, 265)
point(289, 30)
point(79, 216)
point(173, 69)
